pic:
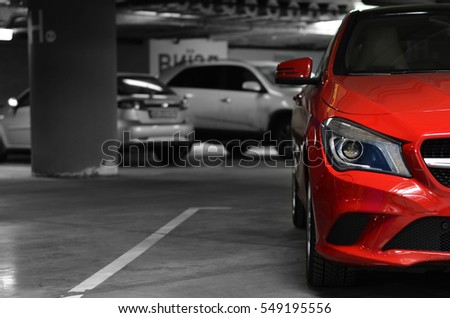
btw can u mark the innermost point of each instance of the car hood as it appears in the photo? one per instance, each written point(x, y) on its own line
point(405, 106)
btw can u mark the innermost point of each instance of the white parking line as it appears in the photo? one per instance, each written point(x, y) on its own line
point(109, 270)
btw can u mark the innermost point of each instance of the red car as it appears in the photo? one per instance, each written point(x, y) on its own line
point(372, 144)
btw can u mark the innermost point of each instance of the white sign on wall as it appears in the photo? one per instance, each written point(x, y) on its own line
point(168, 53)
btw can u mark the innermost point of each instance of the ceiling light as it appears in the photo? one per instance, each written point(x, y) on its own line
point(149, 13)
point(169, 15)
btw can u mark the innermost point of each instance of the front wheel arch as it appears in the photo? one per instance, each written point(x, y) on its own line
point(278, 115)
point(321, 272)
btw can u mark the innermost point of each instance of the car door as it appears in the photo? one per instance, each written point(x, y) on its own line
point(238, 105)
point(16, 124)
point(200, 85)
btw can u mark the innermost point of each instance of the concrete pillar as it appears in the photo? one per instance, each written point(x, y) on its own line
point(72, 50)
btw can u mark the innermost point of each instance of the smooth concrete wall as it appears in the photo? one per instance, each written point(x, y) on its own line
point(73, 85)
point(132, 56)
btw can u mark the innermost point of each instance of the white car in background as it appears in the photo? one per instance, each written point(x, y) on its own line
point(232, 101)
point(149, 111)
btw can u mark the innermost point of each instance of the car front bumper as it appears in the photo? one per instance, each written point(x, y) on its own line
point(373, 219)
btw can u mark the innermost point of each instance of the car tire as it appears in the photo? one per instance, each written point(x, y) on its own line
point(175, 155)
point(319, 271)
point(180, 155)
point(283, 136)
point(3, 151)
point(298, 209)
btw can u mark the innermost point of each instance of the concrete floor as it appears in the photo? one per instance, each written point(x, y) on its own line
point(57, 233)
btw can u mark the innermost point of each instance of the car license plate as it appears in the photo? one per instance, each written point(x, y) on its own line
point(163, 113)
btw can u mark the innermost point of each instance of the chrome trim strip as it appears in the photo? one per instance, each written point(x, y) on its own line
point(443, 163)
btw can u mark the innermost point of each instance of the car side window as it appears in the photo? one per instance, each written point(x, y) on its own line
point(235, 76)
point(197, 77)
point(227, 77)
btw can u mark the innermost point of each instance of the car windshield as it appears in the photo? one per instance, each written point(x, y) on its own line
point(400, 43)
point(129, 85)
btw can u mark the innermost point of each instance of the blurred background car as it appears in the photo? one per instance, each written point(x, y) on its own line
point(233, 101)
point(148, 112)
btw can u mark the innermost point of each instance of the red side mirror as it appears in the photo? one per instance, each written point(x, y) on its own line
point(295, 72)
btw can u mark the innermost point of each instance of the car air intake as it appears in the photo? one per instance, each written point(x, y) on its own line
point(348, 229)
point(436, 154)
point(425, 234)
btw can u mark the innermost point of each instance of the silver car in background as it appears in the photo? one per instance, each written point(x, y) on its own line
point(148, 113)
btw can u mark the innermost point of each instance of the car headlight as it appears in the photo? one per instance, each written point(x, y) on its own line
point(351, 147)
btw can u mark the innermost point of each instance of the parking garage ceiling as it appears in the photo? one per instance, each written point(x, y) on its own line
point(243, 23)
point(283, 24)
